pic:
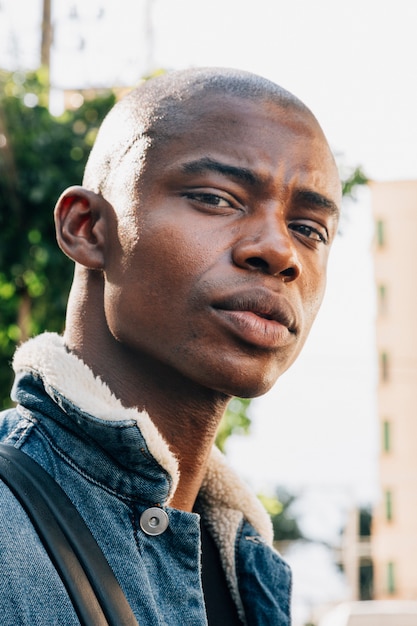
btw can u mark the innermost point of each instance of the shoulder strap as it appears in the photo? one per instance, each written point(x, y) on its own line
point(85, 572)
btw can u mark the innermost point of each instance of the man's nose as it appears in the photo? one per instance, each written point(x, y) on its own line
point(268, 247)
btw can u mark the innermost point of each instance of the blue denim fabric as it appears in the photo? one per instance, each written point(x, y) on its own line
point(106, 469)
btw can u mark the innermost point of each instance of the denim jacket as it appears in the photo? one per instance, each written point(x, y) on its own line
point(115, 466)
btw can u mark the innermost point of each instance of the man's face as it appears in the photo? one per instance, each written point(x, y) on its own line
point(219, 265)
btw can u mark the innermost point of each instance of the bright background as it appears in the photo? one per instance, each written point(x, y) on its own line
point(354, 64)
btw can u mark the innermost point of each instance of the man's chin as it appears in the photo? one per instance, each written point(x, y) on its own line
point(249, 388)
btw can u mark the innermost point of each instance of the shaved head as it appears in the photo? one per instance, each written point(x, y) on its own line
point(158, 110)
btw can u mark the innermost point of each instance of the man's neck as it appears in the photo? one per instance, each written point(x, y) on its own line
point(186, 414)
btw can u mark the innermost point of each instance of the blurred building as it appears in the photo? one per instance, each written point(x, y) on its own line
point(354, 555)
point(394, 528)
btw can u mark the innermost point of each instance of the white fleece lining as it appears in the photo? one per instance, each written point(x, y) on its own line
point(224, 496)
point(64, 372)
point(226, 500)
point(223, 490)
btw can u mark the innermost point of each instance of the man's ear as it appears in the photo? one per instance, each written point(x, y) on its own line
point(81, 226)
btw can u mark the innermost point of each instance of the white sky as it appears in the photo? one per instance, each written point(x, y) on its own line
point(351, 61)
point(354, 63)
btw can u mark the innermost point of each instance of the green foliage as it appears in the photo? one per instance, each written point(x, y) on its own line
point(271, 504)
point(40, 155)
point(351, 180)
point(235, 421)
point(284, 522)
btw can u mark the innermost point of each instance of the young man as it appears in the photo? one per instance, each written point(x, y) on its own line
point(200, 239)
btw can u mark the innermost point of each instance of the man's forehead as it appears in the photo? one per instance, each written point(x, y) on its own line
point(221, 118)
point(215, 119)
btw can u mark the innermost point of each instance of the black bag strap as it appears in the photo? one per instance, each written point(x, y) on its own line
point(91, 584)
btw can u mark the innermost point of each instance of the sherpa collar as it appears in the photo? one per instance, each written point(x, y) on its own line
point(222, 492)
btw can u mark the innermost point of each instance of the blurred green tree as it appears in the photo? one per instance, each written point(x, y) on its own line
point(284, 522)
point(235, 422)
point(352, 178)
point(40, 155)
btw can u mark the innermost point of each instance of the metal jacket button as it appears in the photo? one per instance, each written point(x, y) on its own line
point(154, 521)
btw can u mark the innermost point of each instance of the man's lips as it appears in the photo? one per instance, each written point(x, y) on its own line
point(258, 317)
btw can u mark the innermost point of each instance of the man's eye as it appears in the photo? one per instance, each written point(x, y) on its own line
point(310, 232)
point(209, 199)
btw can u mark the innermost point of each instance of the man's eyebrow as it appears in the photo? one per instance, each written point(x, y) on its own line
point(317, 200)
point(211, 165)
point(246, 175)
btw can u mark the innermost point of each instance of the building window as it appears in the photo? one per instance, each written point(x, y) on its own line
point(382, 299)
point(366, 580)
point(365, 523)
point(384, 367)
point(390, 577)
point(386, 436)
point(380, 233)
point(388, 505)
